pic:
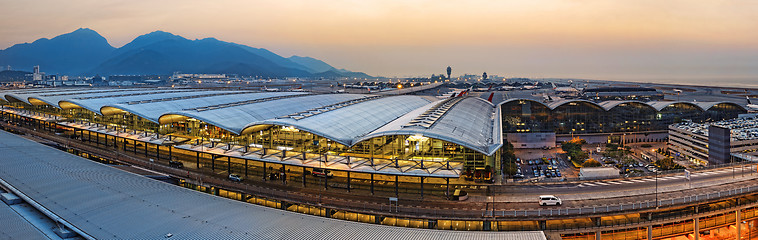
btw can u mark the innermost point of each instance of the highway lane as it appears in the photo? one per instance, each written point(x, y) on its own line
point(623, 188)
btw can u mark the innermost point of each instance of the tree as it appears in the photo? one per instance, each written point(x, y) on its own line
point(591, 163)
point(508, 159)
point(667, 164)
point(573, 149)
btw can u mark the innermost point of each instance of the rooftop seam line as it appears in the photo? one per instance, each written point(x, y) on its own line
point(327, 108)
point(132, 94)
point(185, 97)
point(234, 104)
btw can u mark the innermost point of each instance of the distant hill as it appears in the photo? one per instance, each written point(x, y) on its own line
point(337, 73)
point(315, 65)
point(12, 76)
point(322, 69)
point(67, 53)
point(85, 52)
point(165, 53)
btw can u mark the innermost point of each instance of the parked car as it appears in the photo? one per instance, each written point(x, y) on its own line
point(549, 200)
point(235, 177)
point(320, 172)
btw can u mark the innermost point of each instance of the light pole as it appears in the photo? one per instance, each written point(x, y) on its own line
point(656, 189)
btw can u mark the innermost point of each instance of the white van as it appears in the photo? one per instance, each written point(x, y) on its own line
point(549, 200)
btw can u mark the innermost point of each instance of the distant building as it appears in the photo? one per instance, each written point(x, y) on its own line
point(707, 143)
point(128, 80)
point(622, 93)
point(719, 144)
point(197, 78)
point(37, 75)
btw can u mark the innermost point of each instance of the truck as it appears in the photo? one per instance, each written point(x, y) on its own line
point(591, 173)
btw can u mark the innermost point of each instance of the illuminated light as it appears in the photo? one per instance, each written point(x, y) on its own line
point(280, 148)
point(290, 129)
point(400, 86)
point(417, 138)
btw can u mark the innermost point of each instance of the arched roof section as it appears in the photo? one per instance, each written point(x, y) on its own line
point(660, 105)
point(235, 118)
point(708, 105)
point(42, 101)
point(95, 102)
point(345, 124)
point(470, 122)
point(153, 109)
point(54, 96)
point(522, 99)
point(558, 104)
point(15, 98)
point(608, 105)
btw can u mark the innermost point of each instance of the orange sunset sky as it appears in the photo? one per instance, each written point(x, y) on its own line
point(622, 40)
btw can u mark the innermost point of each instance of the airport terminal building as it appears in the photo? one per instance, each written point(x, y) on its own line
point(396, 138)
point(619, 121)
point(400, 138)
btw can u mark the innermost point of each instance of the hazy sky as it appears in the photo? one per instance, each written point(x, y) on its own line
point(602, 39)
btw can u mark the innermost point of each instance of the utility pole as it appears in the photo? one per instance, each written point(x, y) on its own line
point(656, 189)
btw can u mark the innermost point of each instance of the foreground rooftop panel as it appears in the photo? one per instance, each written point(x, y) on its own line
point(107, 203)
point(16, 227)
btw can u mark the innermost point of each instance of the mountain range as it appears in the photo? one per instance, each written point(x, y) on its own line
point(85, 52)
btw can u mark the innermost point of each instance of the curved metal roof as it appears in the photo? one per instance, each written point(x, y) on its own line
point(471, 123)
point(53, 97)
point(608, 105)
point(153, 110)
point(660, 105)
point(522, 99)
point(237, 118)
point(708, 105)
point(557, 104)
point(94, 102)
point(345, 124)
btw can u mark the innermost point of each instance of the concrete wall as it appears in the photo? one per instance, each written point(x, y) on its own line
point(617, 137)
point(719, 144)
point(532, 139)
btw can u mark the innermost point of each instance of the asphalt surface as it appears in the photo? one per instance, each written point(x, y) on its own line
point(590, 190)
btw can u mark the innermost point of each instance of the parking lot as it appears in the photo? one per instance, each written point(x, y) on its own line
point(543, 164)
point(552, 164)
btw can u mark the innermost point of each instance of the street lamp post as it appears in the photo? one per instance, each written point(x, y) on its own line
point(656, 189)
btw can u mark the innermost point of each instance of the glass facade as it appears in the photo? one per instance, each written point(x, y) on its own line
point(631, 117)
point(675, 112)
point(578, 117)
point(525, 116)
point(411, 148)
point(586, 117)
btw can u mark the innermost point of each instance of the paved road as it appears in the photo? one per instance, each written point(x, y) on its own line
point(623, 188)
